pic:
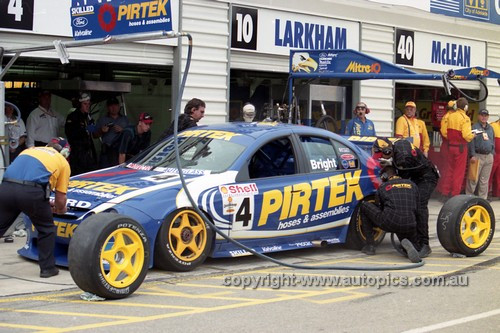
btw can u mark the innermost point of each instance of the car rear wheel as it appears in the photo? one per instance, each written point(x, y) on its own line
point(183, 242)
point(356, 239)
point(109, 255)
point(466, 225)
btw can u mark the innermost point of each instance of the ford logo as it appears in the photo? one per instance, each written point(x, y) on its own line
point(80, 22)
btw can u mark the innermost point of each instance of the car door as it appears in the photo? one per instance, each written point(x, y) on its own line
point(270, 201)
point(334, 175)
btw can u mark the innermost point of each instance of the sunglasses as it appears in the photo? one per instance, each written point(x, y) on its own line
point(360, 107)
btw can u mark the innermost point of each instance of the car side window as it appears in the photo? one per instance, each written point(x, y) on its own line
point(275, 158)
point(320, 153)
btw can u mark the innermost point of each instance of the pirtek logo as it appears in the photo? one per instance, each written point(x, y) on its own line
point(355, 67)
point(142, 10)
point(309, 197)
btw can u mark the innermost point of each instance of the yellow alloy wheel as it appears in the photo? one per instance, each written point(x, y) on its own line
point(122, 258)
point(187, 235)
point(475, 226)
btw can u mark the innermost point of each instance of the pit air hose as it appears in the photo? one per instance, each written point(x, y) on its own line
point(222, 234)
point(447, 81)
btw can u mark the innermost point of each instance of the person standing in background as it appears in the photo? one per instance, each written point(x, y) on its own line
point(495, 172)
point(109, 128)
point(413, 129)
point(443, 150)
point(360, 125)
point(135, 138)
point(79, 130)
point(458, 131)
point(193, 112)
point(16, 133)
point(481, 150)
point(247, 113)
point(43, 123)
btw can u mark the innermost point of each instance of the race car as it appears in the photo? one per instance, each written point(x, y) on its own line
point(271, 186)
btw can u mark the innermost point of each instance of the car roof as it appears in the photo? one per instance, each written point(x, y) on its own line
point(258, 129)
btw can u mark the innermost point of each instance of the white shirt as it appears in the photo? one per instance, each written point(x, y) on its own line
point(15, 131)
point(43, 125)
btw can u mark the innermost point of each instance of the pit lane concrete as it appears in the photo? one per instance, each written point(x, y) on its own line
point(54, 304)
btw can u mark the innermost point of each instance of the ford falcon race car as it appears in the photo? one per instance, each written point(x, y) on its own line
point(272, 187)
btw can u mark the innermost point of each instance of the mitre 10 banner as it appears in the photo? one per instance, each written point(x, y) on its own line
point(99, 18)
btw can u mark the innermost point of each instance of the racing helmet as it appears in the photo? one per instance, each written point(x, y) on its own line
point(381, 146)
point(61, 145)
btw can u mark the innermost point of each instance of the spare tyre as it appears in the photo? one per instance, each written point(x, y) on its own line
point(466, 225)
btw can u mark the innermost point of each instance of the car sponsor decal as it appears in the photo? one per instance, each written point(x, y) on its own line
point(347, 157)
point(295, 205)
point(136, 166)
point(195, 172)
point(238, 200)
point(96, 188)
point(328, 164)
point(211, 134)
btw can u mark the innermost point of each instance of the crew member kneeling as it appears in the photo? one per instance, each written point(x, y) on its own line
point(26, 188)
point(397, 212)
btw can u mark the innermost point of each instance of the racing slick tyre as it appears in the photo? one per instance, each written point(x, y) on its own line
point(356, 239)
point(183, 242)
point(327, 122)
point(109, 255)
point(466, 225)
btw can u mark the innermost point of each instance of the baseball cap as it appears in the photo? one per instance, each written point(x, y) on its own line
point(146, 118)
point(451, 104)
point(112, 101)
point(249, 109)
point(410, 103)
point(84, 97)
point(61, 145)
point(484, 112)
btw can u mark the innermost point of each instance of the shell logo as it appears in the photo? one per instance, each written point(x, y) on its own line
point(224, 190)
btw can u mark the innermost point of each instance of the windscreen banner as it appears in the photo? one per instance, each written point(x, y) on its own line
point(92, 19)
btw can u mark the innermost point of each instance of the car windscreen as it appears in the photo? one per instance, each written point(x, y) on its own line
point(195, 153)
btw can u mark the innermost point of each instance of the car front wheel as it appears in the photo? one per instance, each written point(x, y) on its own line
point(109, 255)
point(183, 242)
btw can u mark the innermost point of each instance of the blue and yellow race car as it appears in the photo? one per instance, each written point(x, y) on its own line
point(271, 186)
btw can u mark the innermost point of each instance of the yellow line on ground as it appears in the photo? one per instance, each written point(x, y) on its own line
point(28, 327)
point(65, 313)
point(188, 312)
point(125, 304)
point(199, 297)
point(354, 295)
point(175, 293)
point(237, 288)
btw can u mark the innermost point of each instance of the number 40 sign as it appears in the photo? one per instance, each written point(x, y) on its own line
point(16, 14)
